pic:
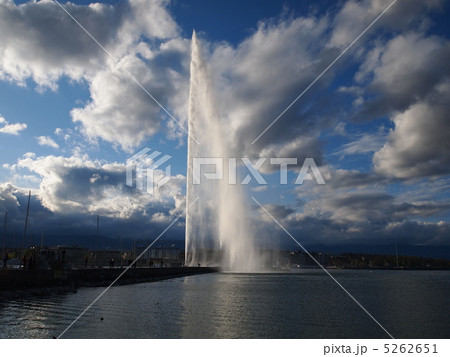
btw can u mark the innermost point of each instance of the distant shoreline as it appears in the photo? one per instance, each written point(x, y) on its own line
point(375, 268)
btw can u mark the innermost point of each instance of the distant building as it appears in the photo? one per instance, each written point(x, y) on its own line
point(72, 255)
point(103, 257)
point(298, 259)
point(154, 257)
point(168, 256)
point(322, 258)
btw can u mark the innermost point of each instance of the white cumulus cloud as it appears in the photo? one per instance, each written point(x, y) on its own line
point(12, 129)
point(47, 141)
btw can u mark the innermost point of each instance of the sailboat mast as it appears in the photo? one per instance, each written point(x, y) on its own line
point(4, 233)
point(26, 221)
point(96, 242)
point(121, 245)
point(396, 251)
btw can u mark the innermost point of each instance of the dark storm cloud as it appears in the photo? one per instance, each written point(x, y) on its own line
point(379, 207)
point(419, 145)
point(75, 227)
point(74, 190)
point(77, 184)
point(315, 230)
point(279, 211)
point(405, 69)
point(39, 41)
point(259, 78)
point(354, 16)
point(349, 179)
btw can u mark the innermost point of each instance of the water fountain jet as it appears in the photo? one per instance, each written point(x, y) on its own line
point(217, 230)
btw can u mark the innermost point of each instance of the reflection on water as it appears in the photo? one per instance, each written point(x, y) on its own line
point(308, 305)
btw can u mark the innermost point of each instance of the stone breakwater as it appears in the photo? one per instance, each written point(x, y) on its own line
point(23, 283)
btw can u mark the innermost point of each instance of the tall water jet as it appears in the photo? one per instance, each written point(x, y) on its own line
point(217, 230)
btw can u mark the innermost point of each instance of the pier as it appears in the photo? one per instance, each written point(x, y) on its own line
point(17, 283)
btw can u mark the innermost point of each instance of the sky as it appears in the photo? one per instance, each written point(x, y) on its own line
point(376, 123)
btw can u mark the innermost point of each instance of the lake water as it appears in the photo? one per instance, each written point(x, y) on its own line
point(409, 304)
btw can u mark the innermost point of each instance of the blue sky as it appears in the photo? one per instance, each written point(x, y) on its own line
point(376, 123)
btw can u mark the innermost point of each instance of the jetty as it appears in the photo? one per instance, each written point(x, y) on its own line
point(23, 282)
